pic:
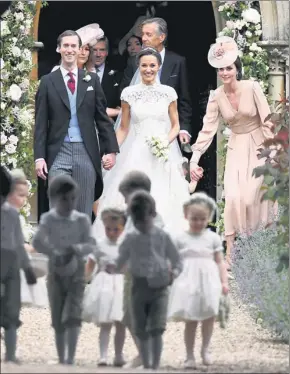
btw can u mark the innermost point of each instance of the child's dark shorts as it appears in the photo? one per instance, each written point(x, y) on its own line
point(149, 308)
point(66, 297)
point(10, 297)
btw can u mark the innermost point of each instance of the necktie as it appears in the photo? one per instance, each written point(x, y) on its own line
point(98, 73)
point(71, 83)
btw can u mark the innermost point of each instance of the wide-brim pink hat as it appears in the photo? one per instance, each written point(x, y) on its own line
point(223, 53)
point(90, 34)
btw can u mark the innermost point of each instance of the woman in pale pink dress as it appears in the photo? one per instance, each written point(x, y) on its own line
point(243, 106)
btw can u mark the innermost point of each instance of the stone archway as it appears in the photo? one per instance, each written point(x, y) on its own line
point(275, 26)
point(172, 13)
point(219, 22)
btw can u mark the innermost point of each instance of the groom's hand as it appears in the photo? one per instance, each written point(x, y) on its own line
point(41, 169)
point(109, 161)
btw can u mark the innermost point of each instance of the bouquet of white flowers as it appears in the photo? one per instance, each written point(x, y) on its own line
point(159, 147)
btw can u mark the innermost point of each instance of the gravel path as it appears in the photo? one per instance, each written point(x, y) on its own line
point(244, 347)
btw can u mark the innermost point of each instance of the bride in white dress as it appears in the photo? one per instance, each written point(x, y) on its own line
point(148, 109)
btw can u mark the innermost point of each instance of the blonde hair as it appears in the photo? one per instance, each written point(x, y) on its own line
point(201, 198)
point(114, 215)
point(18, 177)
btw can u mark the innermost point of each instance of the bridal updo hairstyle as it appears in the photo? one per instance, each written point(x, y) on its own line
point(149, 51)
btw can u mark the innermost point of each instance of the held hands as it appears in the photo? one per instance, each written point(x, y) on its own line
point(184, 138)
point(29, 248)
point(225, 288)
point(30, 276)
point(109, 161)
point(110, 268)
point(196, 172)
point(41, 169)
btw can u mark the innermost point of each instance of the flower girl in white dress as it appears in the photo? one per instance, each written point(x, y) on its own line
point(103, 301)
point(195, 294)
point(31, 295)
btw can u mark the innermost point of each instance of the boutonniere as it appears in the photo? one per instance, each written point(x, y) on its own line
point(112, 72)
point(87, 78)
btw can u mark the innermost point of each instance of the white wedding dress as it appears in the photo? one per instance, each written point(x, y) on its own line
point(149, 116)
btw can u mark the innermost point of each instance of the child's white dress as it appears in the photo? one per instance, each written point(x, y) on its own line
point(34, 295)
point(103, 301)
point(196, 292)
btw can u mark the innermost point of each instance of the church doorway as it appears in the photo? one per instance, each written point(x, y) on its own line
point(186, 37)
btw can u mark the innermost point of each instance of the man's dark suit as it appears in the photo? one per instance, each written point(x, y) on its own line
point(111, 86)
point(174, 74)
point(4, 5)
point(52, 116)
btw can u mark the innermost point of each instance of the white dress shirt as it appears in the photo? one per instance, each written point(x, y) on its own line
point(162, 54)
point(101, 71)
point(64, 73)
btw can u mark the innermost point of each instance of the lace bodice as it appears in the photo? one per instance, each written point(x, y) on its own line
point(149, 107)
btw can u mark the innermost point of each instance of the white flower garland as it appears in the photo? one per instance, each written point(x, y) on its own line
point(243, 22)
point(17, 115)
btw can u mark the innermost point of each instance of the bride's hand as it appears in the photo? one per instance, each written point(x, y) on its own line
point(196, 172)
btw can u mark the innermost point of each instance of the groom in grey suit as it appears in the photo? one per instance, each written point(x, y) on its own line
point(70, 108)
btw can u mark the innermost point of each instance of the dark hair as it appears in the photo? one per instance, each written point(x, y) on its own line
point(136, 37)
point(149, 51)
point(239, 67)
point(68, 33)
point(6, 182)
point(141, 206)
point(114, 215)
point(135, 180)
point(91, 61)
point(61, 185)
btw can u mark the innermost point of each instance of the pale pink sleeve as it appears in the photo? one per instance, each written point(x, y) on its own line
point(209, 129)
point(263, 109)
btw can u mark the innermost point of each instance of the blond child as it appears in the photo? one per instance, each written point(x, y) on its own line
point(195, 294)
point(13, 258)
point(103, 302)
point(31, 295)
